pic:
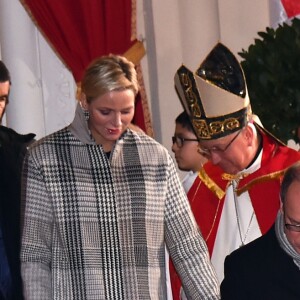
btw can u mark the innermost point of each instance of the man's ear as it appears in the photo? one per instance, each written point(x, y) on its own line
point(281, 206)
point(249, 134)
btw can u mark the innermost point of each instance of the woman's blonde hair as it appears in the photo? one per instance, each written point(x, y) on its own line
point(106, 74)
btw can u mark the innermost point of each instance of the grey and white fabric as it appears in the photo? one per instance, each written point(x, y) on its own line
point(96, 227)
point(283, 241)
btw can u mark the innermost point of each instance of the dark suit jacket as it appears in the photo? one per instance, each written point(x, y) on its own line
point(261, 270)
point(12, 150)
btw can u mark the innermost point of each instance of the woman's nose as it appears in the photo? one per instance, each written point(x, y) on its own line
point(117, 119)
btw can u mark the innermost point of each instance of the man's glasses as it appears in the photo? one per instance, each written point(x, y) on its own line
point(292, 227)
point(208, 151)
point(179, 141)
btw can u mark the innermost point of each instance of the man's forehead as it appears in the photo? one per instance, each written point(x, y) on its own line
point(294, 188)
point(4, 89)
point(292, 200)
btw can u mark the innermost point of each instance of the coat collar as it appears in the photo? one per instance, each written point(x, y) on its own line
point(79, 126)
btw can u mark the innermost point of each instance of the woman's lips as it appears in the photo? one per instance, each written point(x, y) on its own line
point(113, 131)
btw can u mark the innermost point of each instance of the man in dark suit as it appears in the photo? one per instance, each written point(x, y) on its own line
point(269, 268)
point(12, 149)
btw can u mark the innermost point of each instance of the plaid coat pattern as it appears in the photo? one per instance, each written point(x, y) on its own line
point(95, 227)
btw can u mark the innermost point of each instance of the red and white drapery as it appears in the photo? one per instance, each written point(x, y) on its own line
point(283, 10)
point(291, 7)
point(81, 30)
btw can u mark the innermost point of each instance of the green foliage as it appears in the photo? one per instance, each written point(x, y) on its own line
point(272, 71)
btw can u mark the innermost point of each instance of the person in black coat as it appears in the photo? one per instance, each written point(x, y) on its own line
point(269, 267)
point(12, 150)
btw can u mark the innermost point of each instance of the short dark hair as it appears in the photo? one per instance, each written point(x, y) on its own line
point(4, 73)
point(184, 120)
point(292, 174)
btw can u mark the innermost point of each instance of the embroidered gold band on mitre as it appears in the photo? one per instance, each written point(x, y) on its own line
point(189, 94)
point(212, 128)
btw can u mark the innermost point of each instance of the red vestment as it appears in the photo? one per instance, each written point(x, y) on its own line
point(208, 192)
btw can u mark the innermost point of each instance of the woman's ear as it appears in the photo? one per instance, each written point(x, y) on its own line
point(83, 101)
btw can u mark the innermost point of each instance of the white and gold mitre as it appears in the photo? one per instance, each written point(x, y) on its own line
point(215, 96)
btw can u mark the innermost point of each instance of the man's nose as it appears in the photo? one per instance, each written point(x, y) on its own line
point(174, 147)
point(214, 158)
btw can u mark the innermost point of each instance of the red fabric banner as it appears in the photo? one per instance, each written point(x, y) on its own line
point(292, 7)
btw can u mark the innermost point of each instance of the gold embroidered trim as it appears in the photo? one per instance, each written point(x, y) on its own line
point(230, 177)
point(220, 193)
point(261, 179)
point(133, 20)
point(187, 83)
point(211, 184)
point(207, 129)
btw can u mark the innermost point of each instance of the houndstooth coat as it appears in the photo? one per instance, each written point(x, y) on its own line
point(95, 227)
